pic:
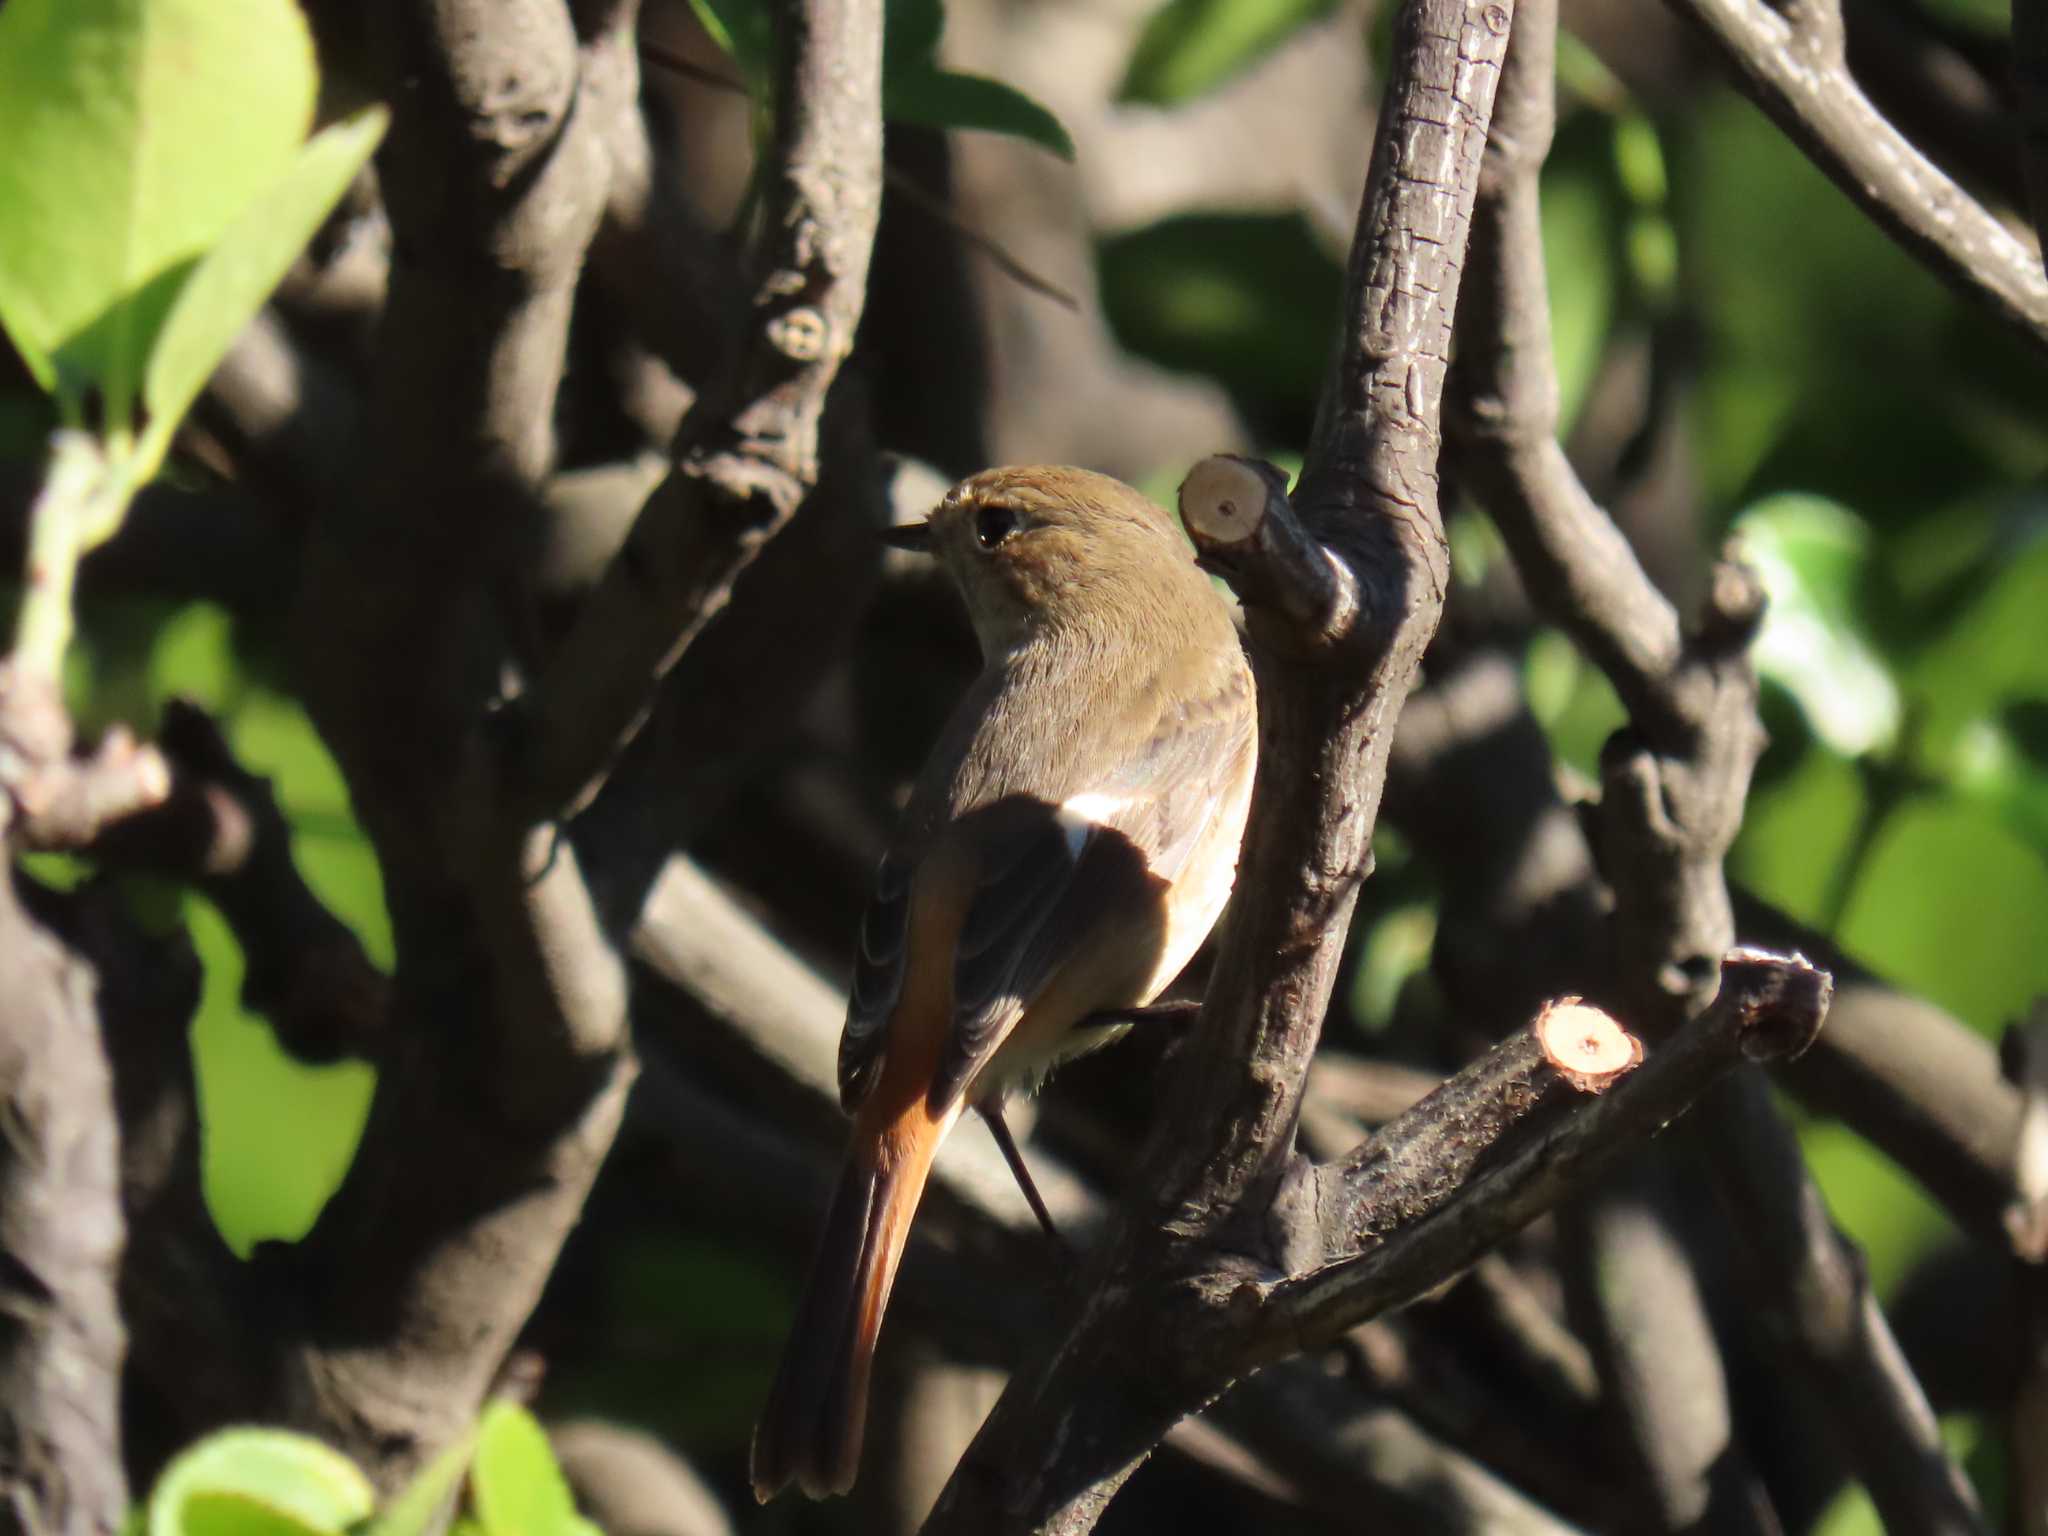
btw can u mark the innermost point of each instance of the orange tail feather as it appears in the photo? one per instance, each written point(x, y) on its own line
point(810, 1431)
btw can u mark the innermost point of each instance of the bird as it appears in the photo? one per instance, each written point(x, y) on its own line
point(1068, 846)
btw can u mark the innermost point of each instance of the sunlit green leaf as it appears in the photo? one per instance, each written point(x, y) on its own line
point(1797, 832)
point(1814, 557)
point(418, 1510)
point(233, 278)
point(280, 1133)
point(259, 1482)
point(193, 656)
point(1397, 947)
point(132, 133)
point(1639, 158)
point(1189, 47)
point(515, 1483)
point(943, 99)
point(1951, 902)
point(1805, 310)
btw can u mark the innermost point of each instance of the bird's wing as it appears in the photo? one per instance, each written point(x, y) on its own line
point(1094, 869)
point(878, 972)
point(1034, 881)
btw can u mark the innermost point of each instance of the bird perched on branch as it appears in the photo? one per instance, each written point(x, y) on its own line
point(1070, 843)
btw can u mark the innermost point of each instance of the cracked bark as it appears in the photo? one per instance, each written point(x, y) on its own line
point(1673, 785)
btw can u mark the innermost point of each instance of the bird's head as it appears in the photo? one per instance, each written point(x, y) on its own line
point(1052, 546)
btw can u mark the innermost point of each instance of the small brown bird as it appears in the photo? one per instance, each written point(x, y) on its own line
point(1070, 843)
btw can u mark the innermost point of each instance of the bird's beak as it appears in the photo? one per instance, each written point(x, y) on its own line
point(916, 537)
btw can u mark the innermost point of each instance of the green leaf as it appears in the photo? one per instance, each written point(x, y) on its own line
point(132, 133)
point(233, 279)
point(1797, 831)
point(1251, 300)
point(259, 1482)
point(1582, 251)
point(1988, 657)
point(416, 1511)
point(1571, 699)
point(910, 38)
point(744, 29)
point(1951, 899)
point(515, 1484)
point(941, 99)
point(1189, 47)
point(279, 1133)
point(1397, 948)
point(1815, 558)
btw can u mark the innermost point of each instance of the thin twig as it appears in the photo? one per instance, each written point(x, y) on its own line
point(905, 186)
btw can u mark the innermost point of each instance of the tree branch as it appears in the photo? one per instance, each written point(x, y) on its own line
point(1674, 783)
point(61, 1232)
point(1791, 63)
point(1767, 1007)
point(1815, 1303)
point(1351, 1452)
point(745, 465)
point(507, 1061)
point(1066, 1434)
point(2030, 74)
point(664, 264)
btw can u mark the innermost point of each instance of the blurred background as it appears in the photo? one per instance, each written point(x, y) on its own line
point(1741, 354)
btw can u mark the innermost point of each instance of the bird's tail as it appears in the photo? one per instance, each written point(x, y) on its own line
point(810, 1431)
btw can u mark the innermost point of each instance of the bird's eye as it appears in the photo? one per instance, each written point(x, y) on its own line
point(992, 525)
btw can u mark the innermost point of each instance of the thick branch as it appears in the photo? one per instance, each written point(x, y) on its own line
point(1065, 1436)
point(632, 1484)
point(1674, 783)
point(1767, 1007)
point(1416, 1162)
point(61, 1232)
point(1816, 1304)
point(1792, 64)
point(508, 1061)
point(1351, 1453)
point(745, 465)
point(1575, 561)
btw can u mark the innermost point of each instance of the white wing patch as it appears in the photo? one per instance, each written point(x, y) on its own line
point(1080, 815)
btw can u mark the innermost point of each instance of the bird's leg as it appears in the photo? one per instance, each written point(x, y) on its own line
point(992, 1112)
point(1175, 1015)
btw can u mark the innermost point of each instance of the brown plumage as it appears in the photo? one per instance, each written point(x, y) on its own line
point(1070, 843)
